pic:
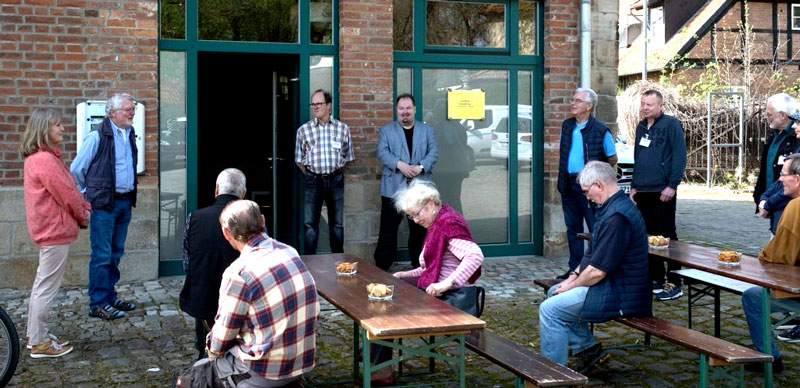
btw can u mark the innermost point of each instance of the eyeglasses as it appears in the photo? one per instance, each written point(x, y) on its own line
point(587, 189)
point(574, 100)
point(131, 109)
point(790, 174)
point(414, 215)
point(317, 104)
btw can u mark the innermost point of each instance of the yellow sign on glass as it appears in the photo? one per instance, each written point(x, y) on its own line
point(466, 104)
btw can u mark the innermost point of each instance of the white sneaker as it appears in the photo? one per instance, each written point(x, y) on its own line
point(53, 338)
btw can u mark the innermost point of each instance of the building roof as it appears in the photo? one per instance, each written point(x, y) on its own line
point(631, 62)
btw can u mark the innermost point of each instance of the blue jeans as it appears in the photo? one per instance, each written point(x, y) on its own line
point(751, 303)
point(576, 209)
point(107, 233)
point(559, 324)
point(328, 188)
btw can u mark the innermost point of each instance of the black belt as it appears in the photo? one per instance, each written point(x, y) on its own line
point(334, 173)
point(124, 195)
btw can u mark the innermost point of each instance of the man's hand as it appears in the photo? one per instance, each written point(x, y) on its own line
point(436, 289)
point(406, 169)
point(417, 169)
point(764, 213)
point(632, 194)
point(667, 194)
point(566, 284)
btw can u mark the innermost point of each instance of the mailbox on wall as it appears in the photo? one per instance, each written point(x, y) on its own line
point(91, 112)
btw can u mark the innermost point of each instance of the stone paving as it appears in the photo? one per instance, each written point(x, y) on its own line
point(144, 349)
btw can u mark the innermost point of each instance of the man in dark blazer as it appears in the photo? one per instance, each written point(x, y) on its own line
point(206, 255)
point(407, 149)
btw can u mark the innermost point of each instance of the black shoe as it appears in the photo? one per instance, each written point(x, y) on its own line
point(792, 335)
point(789, 324)
point(563, 276)
point(590, 358)
point(758, 367)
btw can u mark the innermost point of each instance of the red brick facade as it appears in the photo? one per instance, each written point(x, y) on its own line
point(57, 53)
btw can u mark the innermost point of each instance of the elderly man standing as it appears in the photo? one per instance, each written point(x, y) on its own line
point(610, 282)
point(206, 255)
point(784, 248)
point(659, 157)
point(322, 150)
point(105, 170)
point(583, 139)
point(268, 306)
point(407, 149)
point(780, 142)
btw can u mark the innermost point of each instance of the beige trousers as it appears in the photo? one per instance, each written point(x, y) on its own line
point(52, 262)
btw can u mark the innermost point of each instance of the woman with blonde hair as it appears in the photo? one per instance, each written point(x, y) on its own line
point(55, 210)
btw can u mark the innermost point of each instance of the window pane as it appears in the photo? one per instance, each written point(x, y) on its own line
point(321, 73)
point(172, 152)
point(256, 20)
point(527, 27)
point(524, 156)
point(405, 80)
point(466, 24)
point(321, 21)
point(403, 17)
point(173, 19)
point(479, 192)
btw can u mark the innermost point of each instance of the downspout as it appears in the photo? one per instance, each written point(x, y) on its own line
point(586, 44)
point(646, 26)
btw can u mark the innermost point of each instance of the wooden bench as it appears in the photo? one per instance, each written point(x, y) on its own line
point(530, 367)
point(713, 351)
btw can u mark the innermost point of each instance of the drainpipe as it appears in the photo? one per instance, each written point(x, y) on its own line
point(646, 26)
point(586, 44)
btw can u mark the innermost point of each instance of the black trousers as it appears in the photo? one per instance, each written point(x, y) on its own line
point(659, 220)
point(200, 334)
point(386, 251)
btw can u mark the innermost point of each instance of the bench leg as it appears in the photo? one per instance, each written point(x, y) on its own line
point(646, 339)
point(519, 383)
point(431, 360)
point(765, 316)
point(689, 289)
point(355, 348)
point(703, 371)
point(717, 331)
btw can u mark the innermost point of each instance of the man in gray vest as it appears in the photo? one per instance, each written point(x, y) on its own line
point(105, 170)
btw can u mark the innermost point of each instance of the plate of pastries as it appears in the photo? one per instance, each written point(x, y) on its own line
point(378, 291)
point(658, 242)
point(344, 268)
point(728, 257)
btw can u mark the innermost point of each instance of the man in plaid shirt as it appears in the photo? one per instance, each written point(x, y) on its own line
point(322, 150)
point(268, 305)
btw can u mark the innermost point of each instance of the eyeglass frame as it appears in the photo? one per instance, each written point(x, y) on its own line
point(318, 104)
point(418, 212)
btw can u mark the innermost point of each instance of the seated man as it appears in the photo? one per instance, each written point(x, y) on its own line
point(611, 281)
point(784, 248)
point(268, 305)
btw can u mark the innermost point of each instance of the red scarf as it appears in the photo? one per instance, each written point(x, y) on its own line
point(447, 225)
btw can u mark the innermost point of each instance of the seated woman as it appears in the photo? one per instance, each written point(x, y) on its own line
point(450, 261)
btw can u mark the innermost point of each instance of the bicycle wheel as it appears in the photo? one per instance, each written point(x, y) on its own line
point(9, 348)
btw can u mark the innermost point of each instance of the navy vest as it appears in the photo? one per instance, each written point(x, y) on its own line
point(101, 174)
point(593, 135)
point(627, 291)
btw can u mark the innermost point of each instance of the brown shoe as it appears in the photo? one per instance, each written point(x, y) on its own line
point(50, 349)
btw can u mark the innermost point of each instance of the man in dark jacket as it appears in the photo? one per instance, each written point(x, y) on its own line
point(610, 282)
point(659, 157)
point(206, 255)
point(583, 139)
point(780, 142)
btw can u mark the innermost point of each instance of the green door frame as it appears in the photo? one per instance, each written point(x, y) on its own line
point(428, 57)
point(192, 45)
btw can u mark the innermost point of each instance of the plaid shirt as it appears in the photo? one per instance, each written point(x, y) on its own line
point(315, 147)
point(268, 311)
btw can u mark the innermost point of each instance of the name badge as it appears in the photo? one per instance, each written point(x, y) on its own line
point(644, 142)
point(781, 159)
point(337, 145)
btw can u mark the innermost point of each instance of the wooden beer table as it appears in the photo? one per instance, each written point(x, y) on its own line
point(410, 314)
point(780, 280)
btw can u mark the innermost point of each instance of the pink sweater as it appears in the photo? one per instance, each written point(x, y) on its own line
point(53, 204)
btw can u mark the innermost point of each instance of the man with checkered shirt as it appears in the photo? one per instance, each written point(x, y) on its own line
point(322, 150)
point(268, 305)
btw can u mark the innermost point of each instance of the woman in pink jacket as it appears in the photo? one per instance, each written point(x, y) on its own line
point(55, 210)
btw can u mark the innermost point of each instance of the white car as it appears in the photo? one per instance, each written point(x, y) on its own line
point(524, 140)
point(624, 164)
point(479, 132)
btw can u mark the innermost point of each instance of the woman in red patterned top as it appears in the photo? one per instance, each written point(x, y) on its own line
point(55, 210)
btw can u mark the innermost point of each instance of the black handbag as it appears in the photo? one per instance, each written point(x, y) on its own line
point(469, 299)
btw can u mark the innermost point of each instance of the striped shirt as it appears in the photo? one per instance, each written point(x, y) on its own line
point(268, 310)
point(461, 259)
point(323, 148)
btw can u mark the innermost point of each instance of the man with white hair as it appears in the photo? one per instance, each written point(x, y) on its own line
point(583, 139)
point(206, 255)
point(610, 282)
point(105, 170)
point(780, 143)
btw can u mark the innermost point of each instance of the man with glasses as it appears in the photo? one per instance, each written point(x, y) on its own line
point(583, 139)
point(407, 149)
point(780, 142)
point(105, 170)
point(322, 151)
point(784, 248)
point(659, 157)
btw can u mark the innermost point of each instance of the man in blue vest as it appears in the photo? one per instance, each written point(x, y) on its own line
point(583, 139)
point(105, 170)
point(610, 282)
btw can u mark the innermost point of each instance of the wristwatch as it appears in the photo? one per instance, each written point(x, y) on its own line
point(421, 168)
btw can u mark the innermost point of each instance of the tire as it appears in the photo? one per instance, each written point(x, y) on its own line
point(9, 348)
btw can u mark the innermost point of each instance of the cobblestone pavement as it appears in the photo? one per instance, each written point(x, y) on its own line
point(144, 349)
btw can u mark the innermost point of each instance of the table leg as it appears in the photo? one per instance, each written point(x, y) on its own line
point(703, 371)
point(717, 329)
point(366, 376)
point(462, 368)
point(689, 288)
point(355, 349)
point(765, 316)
